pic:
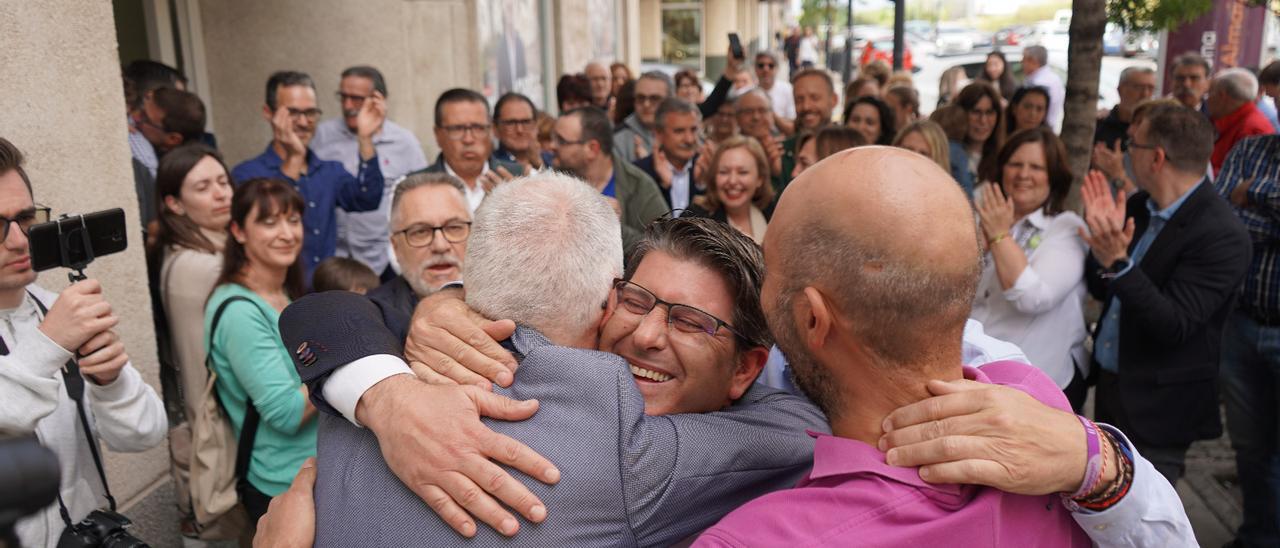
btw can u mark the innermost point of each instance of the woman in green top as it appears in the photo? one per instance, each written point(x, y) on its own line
point(261, 265)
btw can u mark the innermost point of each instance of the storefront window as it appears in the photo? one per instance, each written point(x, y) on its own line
point(682, 34)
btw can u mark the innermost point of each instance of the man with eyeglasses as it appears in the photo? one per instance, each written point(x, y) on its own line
point(363, 236)
point(581, 141)
point(53, 345)
point(783, 103)
point(325, 185)
point(756, 119)
point(634, 139)
point(1167, 264)
point(515, 120)
point(465, 137)
point(636, 471)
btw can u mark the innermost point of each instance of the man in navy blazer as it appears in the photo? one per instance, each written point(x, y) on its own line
point(1166, 264)
point(630, 477)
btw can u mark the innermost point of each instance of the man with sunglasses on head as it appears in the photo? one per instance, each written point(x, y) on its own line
point(779, 91)
point(363, 235)
point(465, 138)
point(64, 374)
point(324, 185)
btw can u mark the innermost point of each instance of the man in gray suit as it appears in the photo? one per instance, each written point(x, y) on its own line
point(628, 478)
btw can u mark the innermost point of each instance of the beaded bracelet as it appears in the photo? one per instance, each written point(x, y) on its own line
point(1120, 487)
point(1093, 461)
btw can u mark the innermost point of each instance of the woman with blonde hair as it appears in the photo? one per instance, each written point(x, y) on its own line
point(738, 188)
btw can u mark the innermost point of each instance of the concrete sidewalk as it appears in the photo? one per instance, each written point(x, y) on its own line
point(1210, 492)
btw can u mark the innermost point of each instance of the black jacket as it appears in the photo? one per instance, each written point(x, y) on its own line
point(646, 165)
point(1175, 302)
point(339, 327)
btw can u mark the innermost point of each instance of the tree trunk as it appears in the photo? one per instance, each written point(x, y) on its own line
point(1084, 64)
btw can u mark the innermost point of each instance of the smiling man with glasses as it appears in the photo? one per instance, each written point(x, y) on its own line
point(515, 123)
point(363, 236)
point(324, 185)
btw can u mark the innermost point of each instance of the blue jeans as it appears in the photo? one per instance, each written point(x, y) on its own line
point(1250, 383)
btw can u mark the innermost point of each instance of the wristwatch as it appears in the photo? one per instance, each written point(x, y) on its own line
point(1116, 268)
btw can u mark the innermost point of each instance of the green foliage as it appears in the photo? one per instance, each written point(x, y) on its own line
point(1166, 14)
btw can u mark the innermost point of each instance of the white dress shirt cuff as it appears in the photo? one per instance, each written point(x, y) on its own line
point(1150, 514)
point(347, 384)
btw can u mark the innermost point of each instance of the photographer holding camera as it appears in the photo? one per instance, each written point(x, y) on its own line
point(64, 375)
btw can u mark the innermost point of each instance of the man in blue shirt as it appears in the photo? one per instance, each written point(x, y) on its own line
point(324, 185)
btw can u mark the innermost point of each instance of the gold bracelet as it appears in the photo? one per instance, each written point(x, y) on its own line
point(993, 241)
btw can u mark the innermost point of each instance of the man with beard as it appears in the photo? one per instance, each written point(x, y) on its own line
point(815, 97)
point(582, 142)
point(672, 163)
point(871, 261)
point(363, 235)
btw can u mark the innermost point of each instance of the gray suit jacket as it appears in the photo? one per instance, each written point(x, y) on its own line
point(627, 479)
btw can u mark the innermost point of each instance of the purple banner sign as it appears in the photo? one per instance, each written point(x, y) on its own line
point(1228, 36)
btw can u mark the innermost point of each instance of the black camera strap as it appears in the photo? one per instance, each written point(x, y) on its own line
point(74, 384)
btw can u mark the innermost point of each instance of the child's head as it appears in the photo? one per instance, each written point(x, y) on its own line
point(343, 274)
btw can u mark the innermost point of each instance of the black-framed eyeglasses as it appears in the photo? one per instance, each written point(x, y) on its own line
point(422, 235)
point(25, 220)
point(518, 123)
point(637, 300)
point(1131, 144)
point(559, 141)
point(311, 114)
point(457, 132)
point(357, 99)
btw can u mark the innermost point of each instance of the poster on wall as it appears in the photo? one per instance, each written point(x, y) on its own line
point(603, 17)
point(511, 38)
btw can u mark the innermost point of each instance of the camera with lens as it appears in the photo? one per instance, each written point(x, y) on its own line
point(100, 528)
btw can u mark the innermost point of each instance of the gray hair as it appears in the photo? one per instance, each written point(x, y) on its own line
point(423, 179)
point(1238, 83)
point(673, 105)
point(1130, 72)
point(755, 90)
point(1192, 59)
point(659, 76)
point(544, 251)
point(1039, 53)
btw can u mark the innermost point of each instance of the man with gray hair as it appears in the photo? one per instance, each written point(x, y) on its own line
point(1035, 65)
point(429, 226)
point(678, 124)
point(1137, 84)
point(634, 139)
point(1232, 94)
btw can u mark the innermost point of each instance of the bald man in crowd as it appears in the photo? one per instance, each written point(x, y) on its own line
point(869, 280)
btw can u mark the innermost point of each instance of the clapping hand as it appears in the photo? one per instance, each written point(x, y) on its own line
point(282, 131)
point(1109, 231)
point(372, 113)
point(663, 168)
point(1109, 159)
point(995, 210)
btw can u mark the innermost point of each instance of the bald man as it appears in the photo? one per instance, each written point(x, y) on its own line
point(870, 278)
point(601, 83)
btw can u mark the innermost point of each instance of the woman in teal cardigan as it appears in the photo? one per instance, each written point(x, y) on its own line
point(261, 266)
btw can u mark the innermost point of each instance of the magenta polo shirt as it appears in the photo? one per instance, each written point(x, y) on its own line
point(852, 498)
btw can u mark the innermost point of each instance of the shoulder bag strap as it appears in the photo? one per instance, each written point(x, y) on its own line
point(249, 429)
point(74, 384)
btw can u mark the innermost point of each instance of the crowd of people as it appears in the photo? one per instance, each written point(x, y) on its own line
point(842, 332)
